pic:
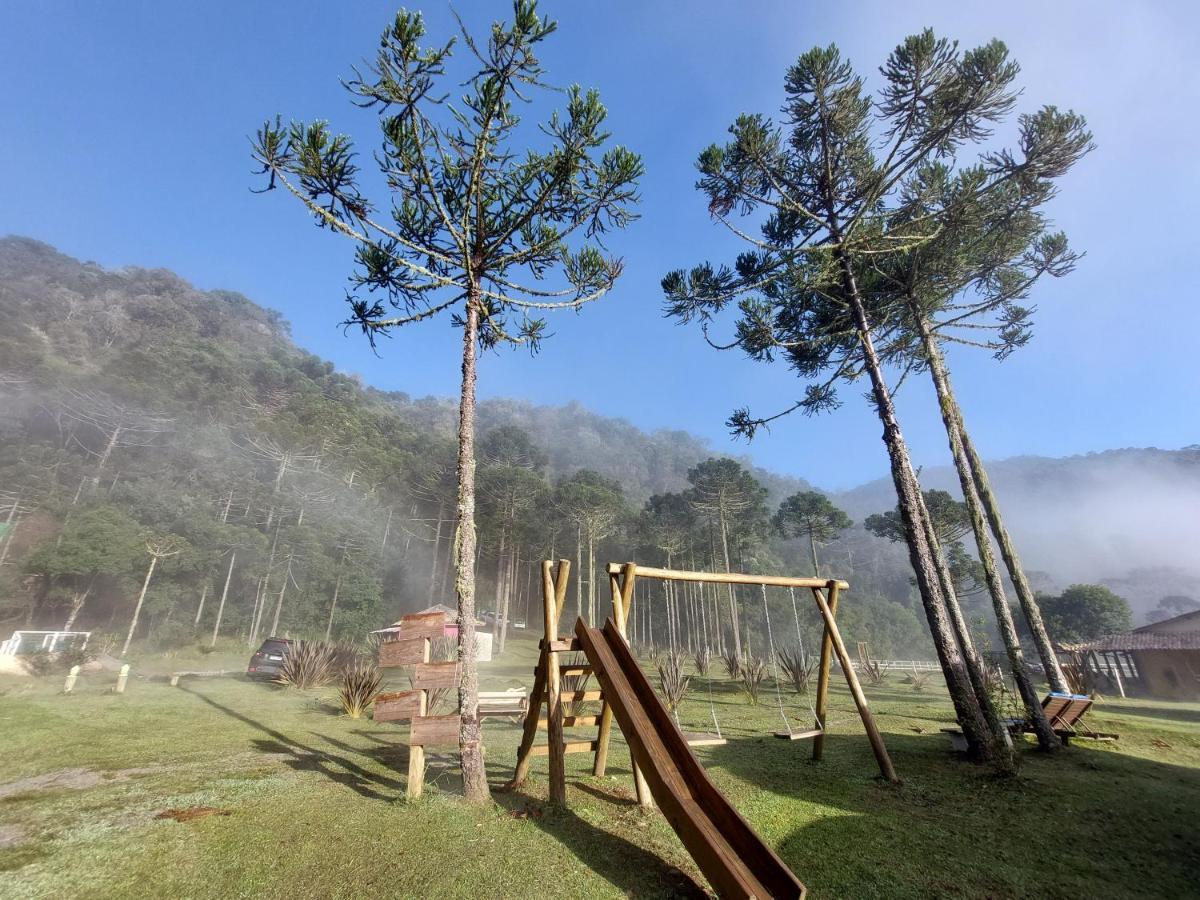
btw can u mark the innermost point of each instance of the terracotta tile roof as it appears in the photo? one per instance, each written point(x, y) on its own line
point(1144, 640)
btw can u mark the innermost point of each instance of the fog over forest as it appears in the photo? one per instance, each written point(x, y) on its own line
point(261, 433)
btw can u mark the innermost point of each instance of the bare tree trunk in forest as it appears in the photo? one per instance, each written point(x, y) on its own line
point(437, 546)
point(77, 602)
point(579, 569)
point(337, 589)
point(1047, 739)
point(591, 578)
point(502, 605)
point(470, 739)
point(812, 545)
point(733, 610)
point(200, 605)
point(962, 694)
point(387, 530)
point(224, 594)
point(498, 594)
point(103, 460)
point(287, 576)
point(137, 609)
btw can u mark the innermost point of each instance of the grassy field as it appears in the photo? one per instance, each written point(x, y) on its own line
point(311, 801)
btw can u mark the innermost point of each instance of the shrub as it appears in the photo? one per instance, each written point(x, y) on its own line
point(703, 660)
point(360, 685)
point(307, 665)
point(873, 672)
point(39, 662)
point(753, 674)
point(918, 679)
point(797, 669)
point(73, 656)
point(733, 665)
point(673, 682)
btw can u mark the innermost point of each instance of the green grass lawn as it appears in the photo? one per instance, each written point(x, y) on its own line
point(315, 807)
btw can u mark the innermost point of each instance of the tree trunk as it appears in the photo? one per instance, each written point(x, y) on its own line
point(470, 739)
point(1047, 739)
point(224, 594)
point(1029, 604)
point(502, 611)
point(103, 460)
point(200, 605)
point(437, 547)
point(733, 610)
point(962, 694)
point(337, 589)
point(77, 602)
point(498, 597)
point(579, 571)
point(137, 609)
point(287, 576)
point(812, 546)
point(591, 578)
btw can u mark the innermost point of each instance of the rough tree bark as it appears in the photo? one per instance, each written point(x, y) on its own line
point(470, 738)
point(1046, 737)
point(981, 741)
point(137, 609)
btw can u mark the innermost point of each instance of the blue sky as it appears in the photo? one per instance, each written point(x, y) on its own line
point(125, 140)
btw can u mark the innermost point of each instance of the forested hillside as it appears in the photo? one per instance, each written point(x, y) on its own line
point(141, 416)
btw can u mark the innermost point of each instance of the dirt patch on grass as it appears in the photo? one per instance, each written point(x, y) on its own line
point(192, 812)
point(11, 836)
point(72, 779)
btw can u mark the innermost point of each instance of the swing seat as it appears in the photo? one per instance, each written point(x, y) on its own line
point(799, 735)
point(701, 739)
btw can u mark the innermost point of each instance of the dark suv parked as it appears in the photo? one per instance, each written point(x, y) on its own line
point(268, 658)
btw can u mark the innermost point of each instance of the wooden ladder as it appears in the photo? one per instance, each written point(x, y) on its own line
point(548, 692)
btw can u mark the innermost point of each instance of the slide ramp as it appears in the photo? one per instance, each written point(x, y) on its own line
point(732, 857)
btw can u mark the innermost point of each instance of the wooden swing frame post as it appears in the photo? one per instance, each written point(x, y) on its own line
point(831, 642)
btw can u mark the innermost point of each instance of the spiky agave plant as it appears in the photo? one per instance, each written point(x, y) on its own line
point(753, 673)
point(674, 683)
point(703, 660)
point(307, 665)
point(360, 685)
point(797, 668)
point(733, 665)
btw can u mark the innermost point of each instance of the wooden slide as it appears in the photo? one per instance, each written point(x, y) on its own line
point(731, 856)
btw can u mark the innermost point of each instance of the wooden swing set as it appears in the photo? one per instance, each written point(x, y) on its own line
point(548, 688)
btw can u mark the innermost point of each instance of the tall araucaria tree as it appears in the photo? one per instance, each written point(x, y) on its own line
point(811, 515)
point(824, 190)
point(484, 217)
point(967, 285)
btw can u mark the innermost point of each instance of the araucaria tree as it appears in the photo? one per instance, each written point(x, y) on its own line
point(811, 515)
point(484, 217)
point(829, 192)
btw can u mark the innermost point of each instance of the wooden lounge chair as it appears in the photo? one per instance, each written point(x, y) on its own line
point(1065, 713)
point(498, 704)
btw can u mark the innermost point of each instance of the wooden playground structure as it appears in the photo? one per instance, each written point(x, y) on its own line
point(548, 692)
point(666, 772)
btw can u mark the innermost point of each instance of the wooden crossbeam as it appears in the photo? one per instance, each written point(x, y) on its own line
point(572, 721)
point(568, 747)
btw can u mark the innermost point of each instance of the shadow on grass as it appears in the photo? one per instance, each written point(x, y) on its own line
point(631, 869)
point(1191, 716)
point(303, 758)
point(955, 828)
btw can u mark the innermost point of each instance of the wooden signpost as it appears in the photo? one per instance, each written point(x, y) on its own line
point(411, 650)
